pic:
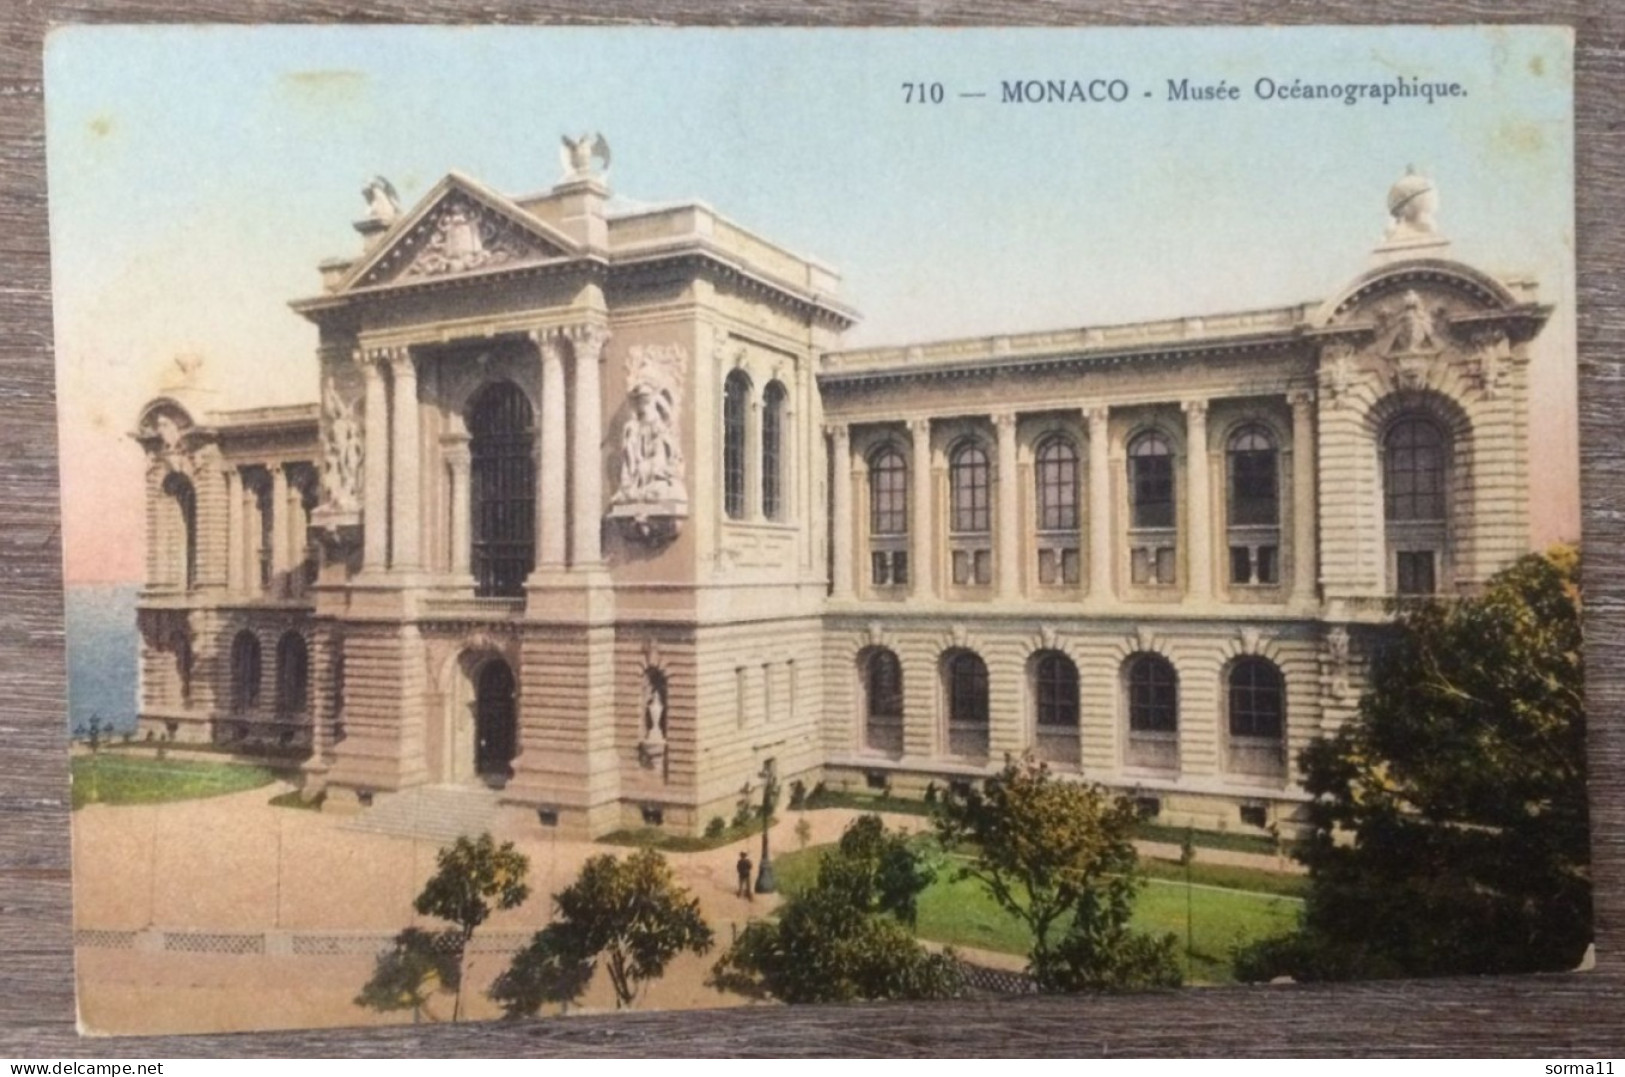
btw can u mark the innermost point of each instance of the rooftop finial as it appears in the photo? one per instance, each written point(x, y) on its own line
point(577, 155)
point(1412, 203)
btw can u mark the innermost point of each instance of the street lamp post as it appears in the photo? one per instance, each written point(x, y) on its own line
point(765, 883)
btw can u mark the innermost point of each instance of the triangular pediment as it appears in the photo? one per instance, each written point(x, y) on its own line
point(459, 227)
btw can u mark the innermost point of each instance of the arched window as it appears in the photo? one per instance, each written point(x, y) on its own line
point(967, 704)
point(1413, 476)
point(183, 540)
point(1055, 699)
point(1056, 473)
point(292, 674)
point(888, 517)
point(735, 406)
point(1153, 712)
point(245, 672)
point(1257, 705)
point(882, 702)
point(502, 489)
point(1152, 551)
point(1415, 456)
point(773, 457)
point(1252, 464)
point(970, 522)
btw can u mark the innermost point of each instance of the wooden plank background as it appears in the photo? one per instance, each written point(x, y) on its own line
point(1574, 1015)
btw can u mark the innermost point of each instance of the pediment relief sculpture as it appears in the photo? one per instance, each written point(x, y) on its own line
point(457, 236)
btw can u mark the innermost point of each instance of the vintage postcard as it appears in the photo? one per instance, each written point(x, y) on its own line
point(566, 520)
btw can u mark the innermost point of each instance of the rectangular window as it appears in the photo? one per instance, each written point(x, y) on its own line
point(1070, 562)
point(1165, 565)
point(880, 572)
point(961, 567)
point(1058, 565)
point(984, 567)
point(1140, 565)
point(1269, 569)
point(899, 567)
point(1153, 491)
point(1241, 565)
point(1048, 563)
point(1415, 572)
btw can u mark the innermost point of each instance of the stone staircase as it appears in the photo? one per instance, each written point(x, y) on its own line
point(437, 813)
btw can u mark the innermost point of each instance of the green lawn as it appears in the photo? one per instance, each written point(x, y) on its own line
point(961, 913)
point(119, 779)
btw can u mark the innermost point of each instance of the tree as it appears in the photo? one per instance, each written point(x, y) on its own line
point(848, 935)
point(1045, 850)
point(472, 878)
point(408, 975)
point(631, 913)
point(1449, 826)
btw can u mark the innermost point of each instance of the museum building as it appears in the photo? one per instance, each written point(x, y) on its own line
point(595, 512)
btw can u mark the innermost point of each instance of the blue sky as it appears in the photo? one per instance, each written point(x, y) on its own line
point(197, 175)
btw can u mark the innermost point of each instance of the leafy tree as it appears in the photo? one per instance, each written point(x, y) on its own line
point(471, 879)
point(408, 975)
point(1045, 850)
point(1449, 821)
point(847, 936)
point(631, 913)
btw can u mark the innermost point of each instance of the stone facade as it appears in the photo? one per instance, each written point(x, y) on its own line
point(595, 510)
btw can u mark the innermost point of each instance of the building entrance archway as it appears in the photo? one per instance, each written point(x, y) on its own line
point(495, 721)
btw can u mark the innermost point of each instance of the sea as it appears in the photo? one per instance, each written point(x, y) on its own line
point(102, 644)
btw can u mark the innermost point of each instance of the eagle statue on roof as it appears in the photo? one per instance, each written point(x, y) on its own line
point(577, 154)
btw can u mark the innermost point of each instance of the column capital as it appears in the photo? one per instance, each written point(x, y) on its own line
point(549, 343)
point(391, 355)
point(838, 431)
point(589, 339)
point(1195, 410)
point(919, 426)
point(1004, 422)
point(457, 455)
point(1098, 414)
point(1300, 399)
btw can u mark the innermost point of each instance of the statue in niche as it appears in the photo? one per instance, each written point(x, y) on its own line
point(651, 447)
point(652, 741)
point(341, 452)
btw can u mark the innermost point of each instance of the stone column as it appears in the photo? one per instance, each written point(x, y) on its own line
point(295, 527)
point(375, 467)
point(840, 455)
point(587, 510)
point(1008, 537)
point(551, 464)
point(1100, 506)
point(920, 528)
point(235, 582)
point(1305, 569)
point(1200, 527)
point(279, 528)
point(457, 467)
point(406, 465)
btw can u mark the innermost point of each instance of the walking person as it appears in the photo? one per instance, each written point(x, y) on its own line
point(743, 868)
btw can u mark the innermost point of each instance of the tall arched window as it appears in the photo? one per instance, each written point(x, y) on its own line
point(245, 672)
point(966, 676)
point(773, 456)
point(970, 521)
point(1415, 502)
point(502, 489)
point(882, 702)
point(1153, 712)
point(183, 540)
point(1252, 464)
point(1055, 469)
point(735, 407)
point(1257, 706)
point(1152, 543)
point(292, 675)
point(888, 517)
point(1055, 704)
